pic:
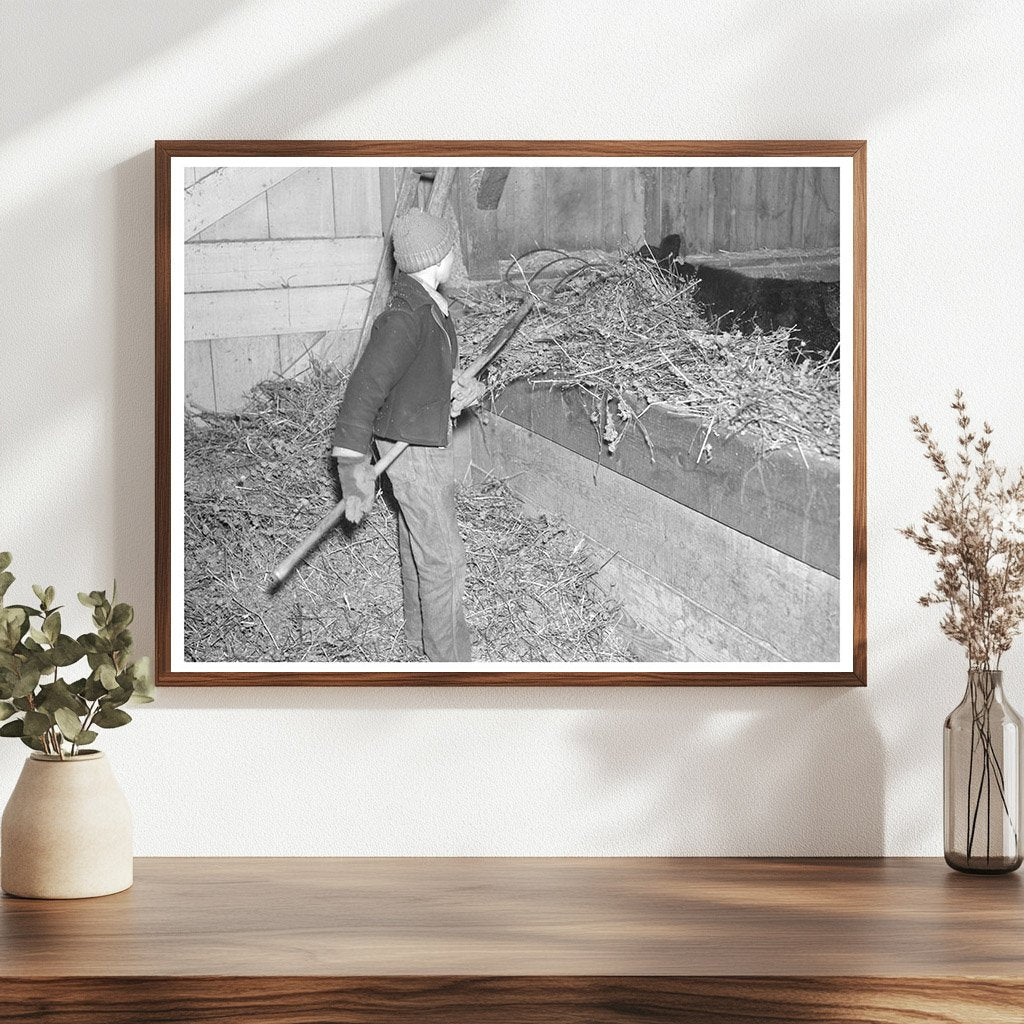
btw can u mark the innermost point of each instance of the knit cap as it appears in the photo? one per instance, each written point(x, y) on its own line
point(421, 240)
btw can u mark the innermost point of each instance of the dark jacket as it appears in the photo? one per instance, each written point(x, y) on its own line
point(401, 387)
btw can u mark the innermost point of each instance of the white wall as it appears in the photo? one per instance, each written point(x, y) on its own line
point(937, 90)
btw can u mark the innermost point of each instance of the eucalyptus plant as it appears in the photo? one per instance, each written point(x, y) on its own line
point(37, 705)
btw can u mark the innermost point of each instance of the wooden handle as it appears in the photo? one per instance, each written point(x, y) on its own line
point(329, 521)
point(499, 341)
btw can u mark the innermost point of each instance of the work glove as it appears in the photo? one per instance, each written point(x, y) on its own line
point(465, 395)
point(357, 485)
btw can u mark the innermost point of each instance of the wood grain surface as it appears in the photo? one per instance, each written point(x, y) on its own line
point(497, 939)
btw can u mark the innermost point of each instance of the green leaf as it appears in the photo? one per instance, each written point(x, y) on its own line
point(50, 594)
point(13, 623)
point(36, 723)
point(89, 600)
point(31, 741)
point(6, 710)
point(94, 689)
point(109, 717)
point(28, 610)
point(51, 626)
point(123, 641)
point(142, 680)
point(6, 579)
point(59, 695)
point(38, 635)
point(115, 698)
point(69, 723)
point(122, 616)
point(107, 676)
point(5, 559)
point(40, 593)
point(86, 736)
point(94, 644)
point(67, 651)
point(13, 728)
point(27, 682)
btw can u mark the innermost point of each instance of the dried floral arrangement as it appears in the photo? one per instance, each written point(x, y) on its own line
point(630, 336)
point(975, 529)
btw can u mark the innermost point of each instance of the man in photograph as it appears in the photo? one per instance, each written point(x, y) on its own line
point(403, 388)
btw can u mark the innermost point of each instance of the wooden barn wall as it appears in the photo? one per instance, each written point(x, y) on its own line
point(691, 587)
point(733, 208)
point(278, 268)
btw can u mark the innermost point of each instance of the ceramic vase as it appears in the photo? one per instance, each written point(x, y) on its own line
point(66, 830)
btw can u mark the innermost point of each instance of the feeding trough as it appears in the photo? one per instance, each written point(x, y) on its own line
point(702, 464)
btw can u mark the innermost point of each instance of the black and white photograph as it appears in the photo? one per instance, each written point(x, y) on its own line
point(531, 414)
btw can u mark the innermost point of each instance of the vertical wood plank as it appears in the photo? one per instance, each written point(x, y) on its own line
point(723, 211)
point(830, 219)
point(672, 213)
point(388, 185)
point(480, 227)
point(199, 388)
point(611, 186)
point(794, 200)
point(357, 201)
point(773, 228)
point(240, 363)
point(651, 183)
point(820, 220)
point(524, 192)
point(688, 209)
point(622, 208)
point(744, 196)
point(246, 224)
point(302, 206)
point(631, 218)
point(502, 225)
point(573, 206)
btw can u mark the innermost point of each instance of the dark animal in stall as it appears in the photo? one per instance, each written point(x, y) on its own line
point(737, 301)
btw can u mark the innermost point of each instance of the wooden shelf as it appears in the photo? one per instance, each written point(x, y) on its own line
point(289, 940)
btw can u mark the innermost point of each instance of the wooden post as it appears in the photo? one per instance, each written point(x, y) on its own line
point(407, 194)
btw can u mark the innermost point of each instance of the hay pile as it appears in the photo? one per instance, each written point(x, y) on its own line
point(256, 483)
point(630, 337)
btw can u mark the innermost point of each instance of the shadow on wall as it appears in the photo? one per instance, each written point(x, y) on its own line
point(693, 771)
point(901, 37)
point(46, 44)
point(742, 771)
point(394, 38)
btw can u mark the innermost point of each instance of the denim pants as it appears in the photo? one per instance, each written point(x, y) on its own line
point(431, 551)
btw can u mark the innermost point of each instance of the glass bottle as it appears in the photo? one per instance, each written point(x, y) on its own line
point(981, 774)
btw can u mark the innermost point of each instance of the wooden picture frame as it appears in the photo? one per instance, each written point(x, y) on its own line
point(847, 557)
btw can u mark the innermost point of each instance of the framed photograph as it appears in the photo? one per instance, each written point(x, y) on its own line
point(492, 413)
